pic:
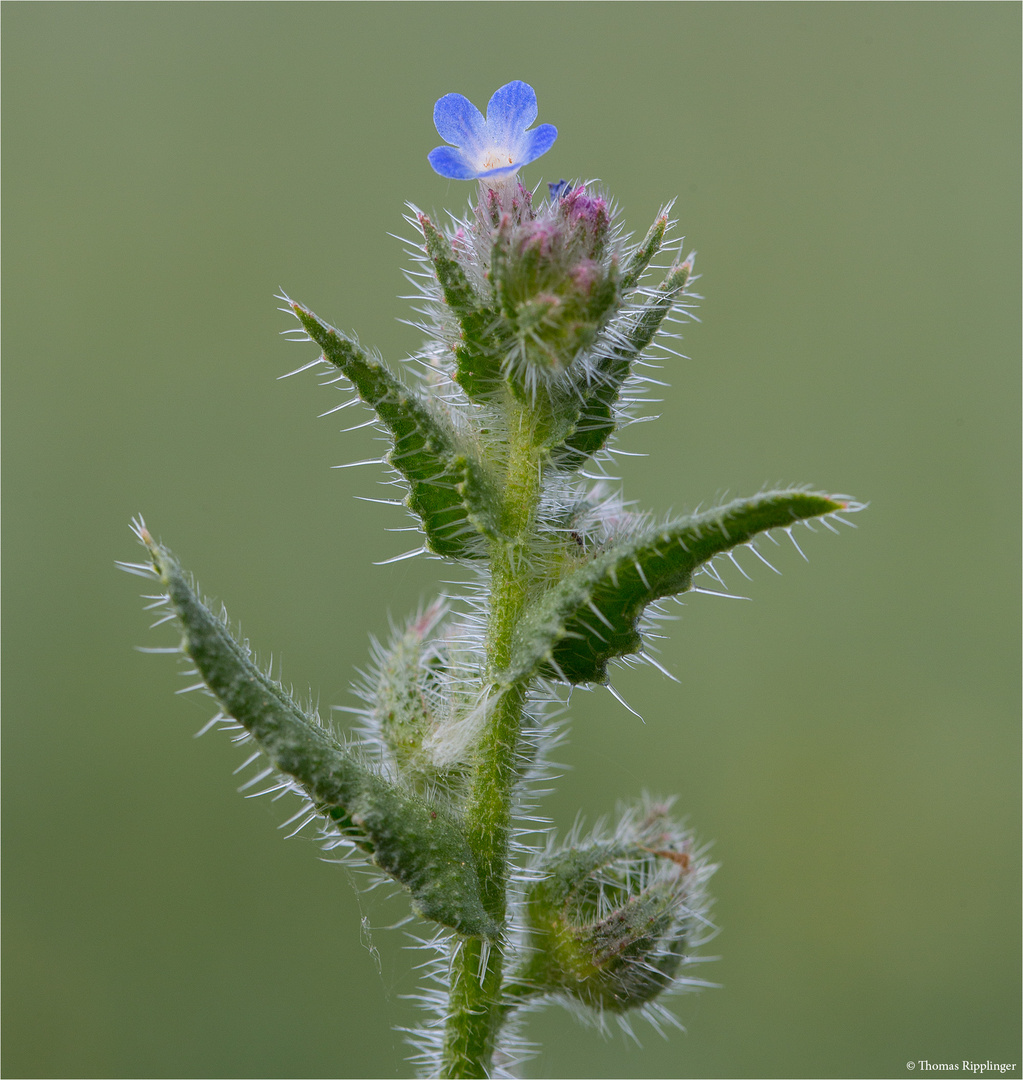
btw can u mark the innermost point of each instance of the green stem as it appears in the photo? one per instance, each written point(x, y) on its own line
point(475, 1010)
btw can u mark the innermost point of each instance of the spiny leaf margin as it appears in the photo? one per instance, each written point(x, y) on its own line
point(420, 844)
point(592, 615)
point(448, 485)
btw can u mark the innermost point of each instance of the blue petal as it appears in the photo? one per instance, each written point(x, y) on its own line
point(537, 142)
point(510, 111)
point(459, 121)
point(451, 163)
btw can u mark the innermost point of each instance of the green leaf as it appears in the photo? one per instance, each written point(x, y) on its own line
point(624, 339)
point(449, 488)
point(478, 355)
point(419, 843)
point(592, 615)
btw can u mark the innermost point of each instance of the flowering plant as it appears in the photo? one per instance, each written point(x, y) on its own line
point(538, 314)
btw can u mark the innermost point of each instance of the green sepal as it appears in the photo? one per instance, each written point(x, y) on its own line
point(628, 336)
point(592, 615)
point(478, 354)
point(448, 487)
point(641, 258)
point(420, 844)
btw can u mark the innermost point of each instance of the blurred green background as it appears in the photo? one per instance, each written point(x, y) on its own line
point(849, 174)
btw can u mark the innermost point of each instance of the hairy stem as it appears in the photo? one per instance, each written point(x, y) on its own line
point(475, 1008)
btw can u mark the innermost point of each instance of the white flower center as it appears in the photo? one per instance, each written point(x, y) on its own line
point(496, 159)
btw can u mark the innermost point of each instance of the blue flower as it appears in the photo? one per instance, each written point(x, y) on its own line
point(496, 146)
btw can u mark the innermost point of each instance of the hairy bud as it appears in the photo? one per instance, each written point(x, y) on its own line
point(414, 712)
point(554, 280)
point(613, 919)
point(406, 699)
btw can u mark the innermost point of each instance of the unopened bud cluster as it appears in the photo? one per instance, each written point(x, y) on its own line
point(554, 278)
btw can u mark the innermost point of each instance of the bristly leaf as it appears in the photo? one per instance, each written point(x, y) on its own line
point(478, 355)
point(420, 844)
point(592, 615)
point(447, 483)
point(629, 335)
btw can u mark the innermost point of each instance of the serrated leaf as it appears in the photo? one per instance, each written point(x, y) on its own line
point(592, 615)
point(420, 844)
point(625, 339)
point(448, 487)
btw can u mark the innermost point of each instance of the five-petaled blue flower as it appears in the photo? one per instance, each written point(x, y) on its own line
point(496, 146)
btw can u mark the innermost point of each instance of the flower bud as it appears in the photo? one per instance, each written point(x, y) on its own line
point(612, 920)
point(403, 699)
point(588, 218)
point(418, 714)
point(554, 280)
